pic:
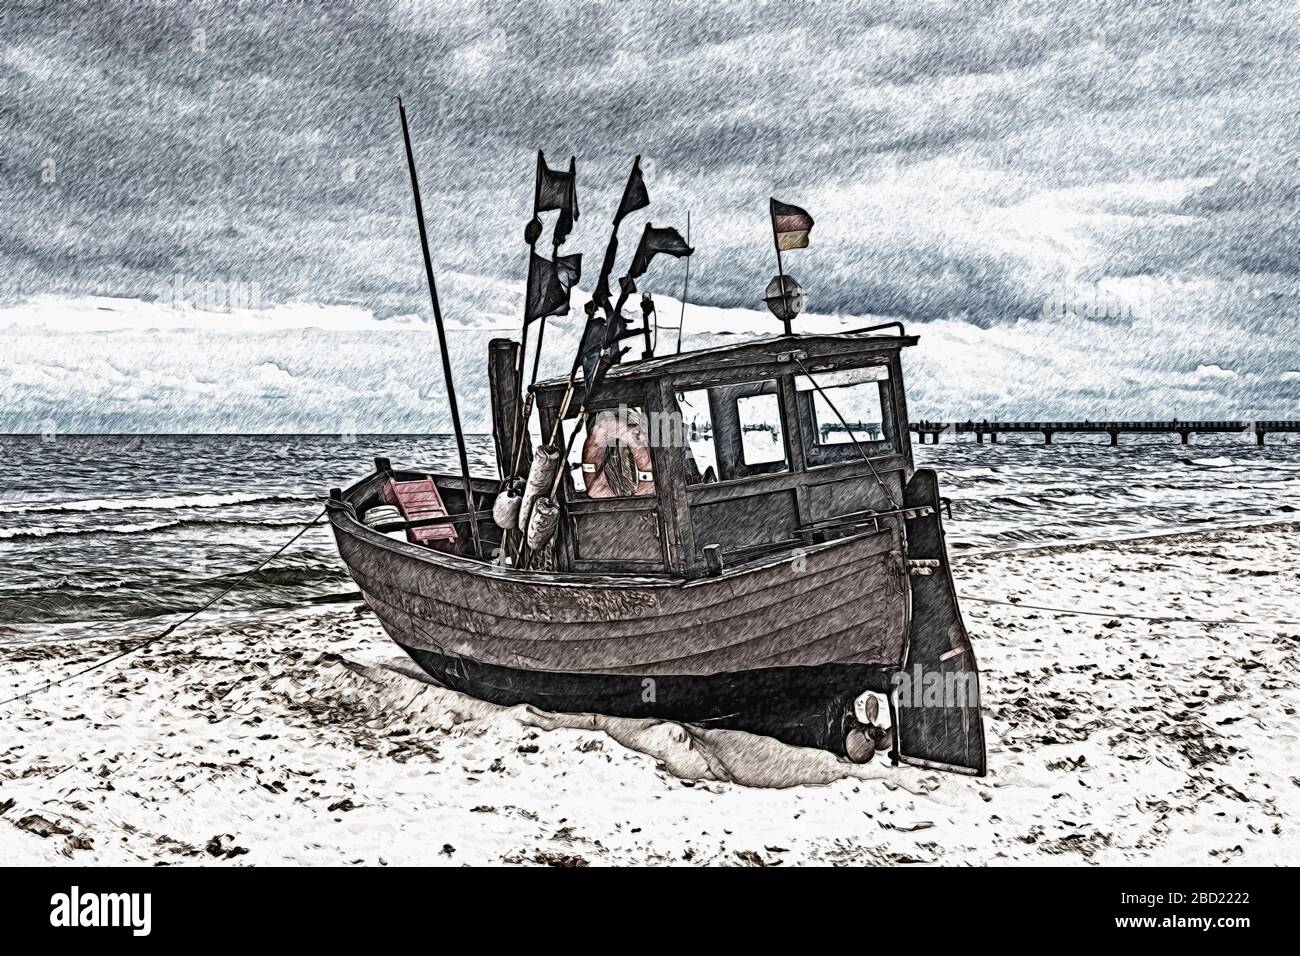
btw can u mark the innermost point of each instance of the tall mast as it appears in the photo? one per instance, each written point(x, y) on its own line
point(442, 339)
point(521, 426)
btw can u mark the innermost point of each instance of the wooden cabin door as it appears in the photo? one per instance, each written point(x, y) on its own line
point(938, 698)
point(743, 489)
point(617, 534)
point(614, 509)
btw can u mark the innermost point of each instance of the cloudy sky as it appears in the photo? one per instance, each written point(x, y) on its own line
point(1084, 209)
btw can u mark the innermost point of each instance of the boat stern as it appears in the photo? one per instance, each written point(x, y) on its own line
point(936, 694)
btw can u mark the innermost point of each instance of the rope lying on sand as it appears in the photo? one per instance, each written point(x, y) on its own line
point(140, 645)
point(1159, 618)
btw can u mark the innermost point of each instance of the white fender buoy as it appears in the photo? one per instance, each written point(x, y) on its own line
point(505, 510)
point(546, 515)
point(540, 478)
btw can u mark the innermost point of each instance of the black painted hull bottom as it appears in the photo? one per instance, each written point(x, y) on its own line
point(802, 706)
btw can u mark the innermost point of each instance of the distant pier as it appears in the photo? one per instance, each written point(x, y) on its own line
point(1185, 430)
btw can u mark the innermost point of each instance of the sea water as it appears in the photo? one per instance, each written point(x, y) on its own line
point(116, 534)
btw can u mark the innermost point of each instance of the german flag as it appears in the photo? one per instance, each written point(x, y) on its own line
point(790, 226)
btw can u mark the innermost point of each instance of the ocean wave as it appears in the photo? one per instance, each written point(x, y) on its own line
point(51, 602)
point(1080, 498)
point(968, 473)
point(157, 503)
point(49, 531)
point(18, 534)
point(66, 582)
point(287, 576)
point(1019, 500)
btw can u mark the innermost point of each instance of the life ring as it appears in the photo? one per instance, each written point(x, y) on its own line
point(616, 458)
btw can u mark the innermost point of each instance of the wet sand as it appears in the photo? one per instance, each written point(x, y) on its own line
point(306, 738)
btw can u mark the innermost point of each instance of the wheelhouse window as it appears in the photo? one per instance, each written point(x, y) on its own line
point(843, 410)
point(732, 431)
point(762, 441)
point(696, 436)
point(612, 456)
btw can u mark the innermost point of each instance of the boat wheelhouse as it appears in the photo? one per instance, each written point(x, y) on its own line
point(743, 542)
point(748, 458)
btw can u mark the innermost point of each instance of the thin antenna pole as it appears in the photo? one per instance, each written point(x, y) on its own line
point(780, 270)
point(686, 285)
point(532, 247)
point(472, 508)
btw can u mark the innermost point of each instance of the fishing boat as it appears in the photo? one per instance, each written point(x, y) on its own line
point(738, 539)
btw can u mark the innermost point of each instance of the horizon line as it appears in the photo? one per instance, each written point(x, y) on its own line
point(235, 434)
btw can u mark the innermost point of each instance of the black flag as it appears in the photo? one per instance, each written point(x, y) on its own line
point(654, 241)
point(594, 376)
point(569, 270)
point(553, 188)
point(634, 193)
point(549, 284)
point(634, 197)
point(600, 338)
point(568, 214)
point(557, 190)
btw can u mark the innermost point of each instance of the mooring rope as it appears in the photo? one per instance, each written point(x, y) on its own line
point(1160, 619)
point(140, 645)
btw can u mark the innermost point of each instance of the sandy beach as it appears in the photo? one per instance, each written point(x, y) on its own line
point(307, 738)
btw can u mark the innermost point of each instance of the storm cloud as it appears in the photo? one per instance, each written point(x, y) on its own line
point(1107, 171)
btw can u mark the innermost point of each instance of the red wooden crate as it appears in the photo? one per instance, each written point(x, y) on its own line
point(417, 500)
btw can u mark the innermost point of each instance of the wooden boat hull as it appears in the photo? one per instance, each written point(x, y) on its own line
point(846, 605)
point(773, 648)
point(779, 647)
